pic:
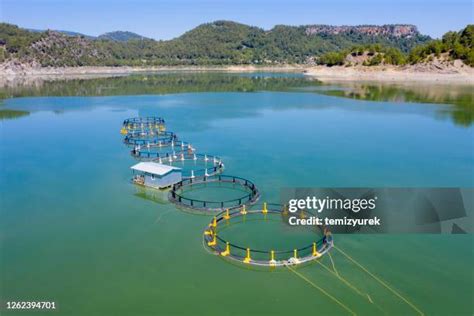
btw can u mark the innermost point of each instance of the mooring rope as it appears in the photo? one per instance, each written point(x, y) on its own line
point(343, 280)
point(322, 290)
point(161, 215)
point(333, 265)
point(380, 281)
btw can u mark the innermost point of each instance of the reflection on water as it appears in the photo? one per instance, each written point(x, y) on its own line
point(6, 114)
point(461, 97)
point(164, 83)
point(157, 196)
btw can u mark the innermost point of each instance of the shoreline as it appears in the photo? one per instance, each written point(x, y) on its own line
point(126, 70)
point(459, 75)
point(456, 74)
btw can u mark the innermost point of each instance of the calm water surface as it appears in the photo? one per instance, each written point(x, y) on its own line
point(75, 231)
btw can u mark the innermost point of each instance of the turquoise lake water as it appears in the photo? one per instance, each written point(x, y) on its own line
point(74, 230)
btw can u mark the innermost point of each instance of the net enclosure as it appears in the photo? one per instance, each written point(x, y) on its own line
point(320, 244)
point(195, 165)
point(170, 150)
point(244, 193)
point(148, 124)
point(157, 139)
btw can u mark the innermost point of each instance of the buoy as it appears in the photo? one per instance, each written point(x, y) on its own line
point(227, 215)
point(213, 242)
point(295, 259)
point(205, 158)
point(315, 250)
point(272, 258)
point(194, 157)
point(192, 174)
point(214, 222)
point(265, 210)
point(243, 211)
point(247, 257)
point(227, 250)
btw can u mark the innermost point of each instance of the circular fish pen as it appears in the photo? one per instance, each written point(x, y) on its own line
point(195, 165)
point(300, 253)
point(145, 139)
point(169, 152)
point(225, 192)
point(143, 124)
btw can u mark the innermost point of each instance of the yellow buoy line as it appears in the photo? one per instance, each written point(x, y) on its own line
point(274, 257)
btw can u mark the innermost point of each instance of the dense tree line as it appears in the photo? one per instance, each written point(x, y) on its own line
point(457, 45)
point(375, 55)
point(227, 43)
point(454, 45)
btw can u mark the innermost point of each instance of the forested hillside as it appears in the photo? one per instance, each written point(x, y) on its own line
point(217, 43)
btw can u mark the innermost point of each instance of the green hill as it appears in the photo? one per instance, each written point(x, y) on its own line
point(217, 43)
point(121, 36)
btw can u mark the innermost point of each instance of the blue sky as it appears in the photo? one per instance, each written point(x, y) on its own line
point(167, 19)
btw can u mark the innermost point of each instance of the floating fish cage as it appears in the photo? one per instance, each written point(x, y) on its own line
point(169, 152)
point(145, 133)
point(157, 139)
point(142, 124)
point(195, 165)
point(244, 254)
point(166, 162)
point(179, 193)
